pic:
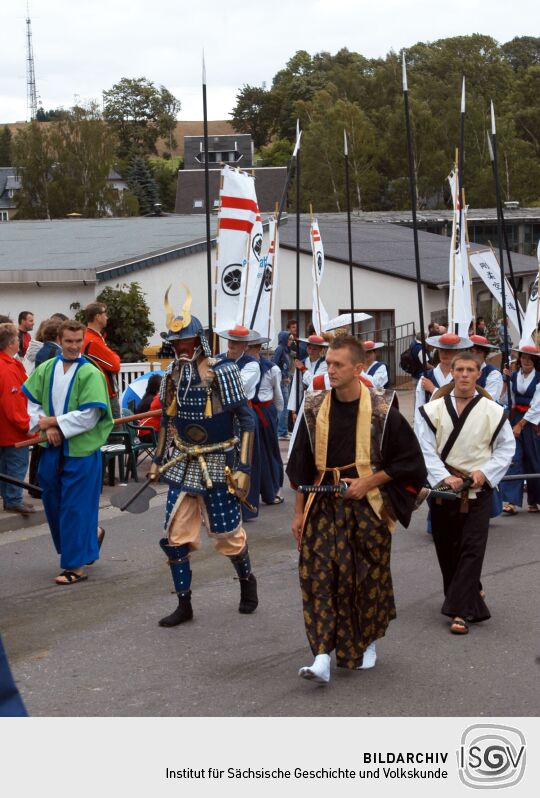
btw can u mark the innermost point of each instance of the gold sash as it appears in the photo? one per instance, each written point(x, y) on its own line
point(362, 452)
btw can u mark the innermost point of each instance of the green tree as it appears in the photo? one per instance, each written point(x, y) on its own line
point(34, 158)
point(251, 114)
point(276, 154)
point(322, 153)
point(142, 185)
point(64, 167)
point(84, 149)
point(140, 113)
point(5, 147)
point(129, 327)
point(165, 176)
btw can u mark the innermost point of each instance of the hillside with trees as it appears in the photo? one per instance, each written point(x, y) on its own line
point(331, 92)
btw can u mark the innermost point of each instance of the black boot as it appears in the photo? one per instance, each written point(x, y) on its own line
point(183, 613)
point(248, 595)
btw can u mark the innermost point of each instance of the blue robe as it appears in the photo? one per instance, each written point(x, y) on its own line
point(526, 458)
point(11, 705)
point(271, 464)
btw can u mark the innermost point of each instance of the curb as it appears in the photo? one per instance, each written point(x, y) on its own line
point(12, 522)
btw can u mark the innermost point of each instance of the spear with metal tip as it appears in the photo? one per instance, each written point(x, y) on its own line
point(412, 186)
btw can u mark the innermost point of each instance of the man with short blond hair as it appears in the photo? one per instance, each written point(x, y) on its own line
point(463, 435)
point(354, 436)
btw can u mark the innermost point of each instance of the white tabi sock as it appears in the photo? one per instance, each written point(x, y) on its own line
point(319, 672)
point(370, 658)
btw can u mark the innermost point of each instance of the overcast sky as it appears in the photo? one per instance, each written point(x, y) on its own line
point(82, 48)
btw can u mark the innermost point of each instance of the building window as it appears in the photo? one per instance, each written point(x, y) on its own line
point(4, 216)
point(217, 156)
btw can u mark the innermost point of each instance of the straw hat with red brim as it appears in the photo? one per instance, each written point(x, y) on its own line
point(314, 340)
point(528, 349)
point(481, 342)
point(369, 346)
point(449, 340)
point(240, 333)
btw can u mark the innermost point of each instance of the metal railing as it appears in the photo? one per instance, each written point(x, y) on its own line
point(396, 340)
point(130, 372)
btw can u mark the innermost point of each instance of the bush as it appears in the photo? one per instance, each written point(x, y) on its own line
point(129, 326)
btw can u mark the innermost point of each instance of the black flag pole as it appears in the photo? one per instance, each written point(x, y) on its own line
point(290, 172)
point(207, 208)
point(500, 215)
point(297, 402)
point(349, 233)
point(412, 186)
point(493, 153)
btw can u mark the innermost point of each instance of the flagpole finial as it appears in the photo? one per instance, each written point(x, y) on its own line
point(463, 95)
point(493, 129)
point(345, 143)
point(490, 147)
point(404, 71)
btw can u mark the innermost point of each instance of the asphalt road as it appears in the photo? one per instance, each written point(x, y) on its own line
point(95, 649)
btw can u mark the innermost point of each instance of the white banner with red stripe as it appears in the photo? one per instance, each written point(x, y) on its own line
point(237, 216)
point(319, 314)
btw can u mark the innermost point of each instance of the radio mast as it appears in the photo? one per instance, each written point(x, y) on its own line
point(31, 93)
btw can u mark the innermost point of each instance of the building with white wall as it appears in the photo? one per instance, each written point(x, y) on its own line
point(47, 265)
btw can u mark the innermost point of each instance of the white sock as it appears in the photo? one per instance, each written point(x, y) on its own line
point(319, 672)
point(370, 658)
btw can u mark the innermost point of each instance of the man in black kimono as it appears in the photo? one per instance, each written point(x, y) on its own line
point(351, 433)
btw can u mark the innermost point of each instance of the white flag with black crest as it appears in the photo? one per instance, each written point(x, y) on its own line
point(530, 322)
point(237, 216)
point(319, 314)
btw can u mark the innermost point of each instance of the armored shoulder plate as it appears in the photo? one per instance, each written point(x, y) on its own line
point(229, 384)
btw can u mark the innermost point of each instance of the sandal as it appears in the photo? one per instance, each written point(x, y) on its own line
point(459, 627)
point(509, 509)
point(70, 578)
point(533, 508)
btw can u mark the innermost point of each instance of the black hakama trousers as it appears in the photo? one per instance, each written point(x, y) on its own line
point(460, 542)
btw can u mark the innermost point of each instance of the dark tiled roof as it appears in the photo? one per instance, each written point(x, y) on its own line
point(384, 247)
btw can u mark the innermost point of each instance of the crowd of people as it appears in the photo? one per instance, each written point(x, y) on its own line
point(356, 464)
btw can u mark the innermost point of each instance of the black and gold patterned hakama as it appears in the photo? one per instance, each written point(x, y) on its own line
point(345, 578)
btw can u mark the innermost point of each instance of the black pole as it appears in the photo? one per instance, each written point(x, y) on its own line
point(412, 186)
point(297, 264)
point(207, 210)
point(505, 235)
point(290, 171)
point(461, 161)
point(349, 233)
point(499, 234)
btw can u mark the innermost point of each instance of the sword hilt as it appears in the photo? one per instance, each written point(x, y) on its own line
point(338, 488)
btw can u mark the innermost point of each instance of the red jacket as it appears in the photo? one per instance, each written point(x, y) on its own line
point(98, 353)
point(154, 422)
point(14, 418)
